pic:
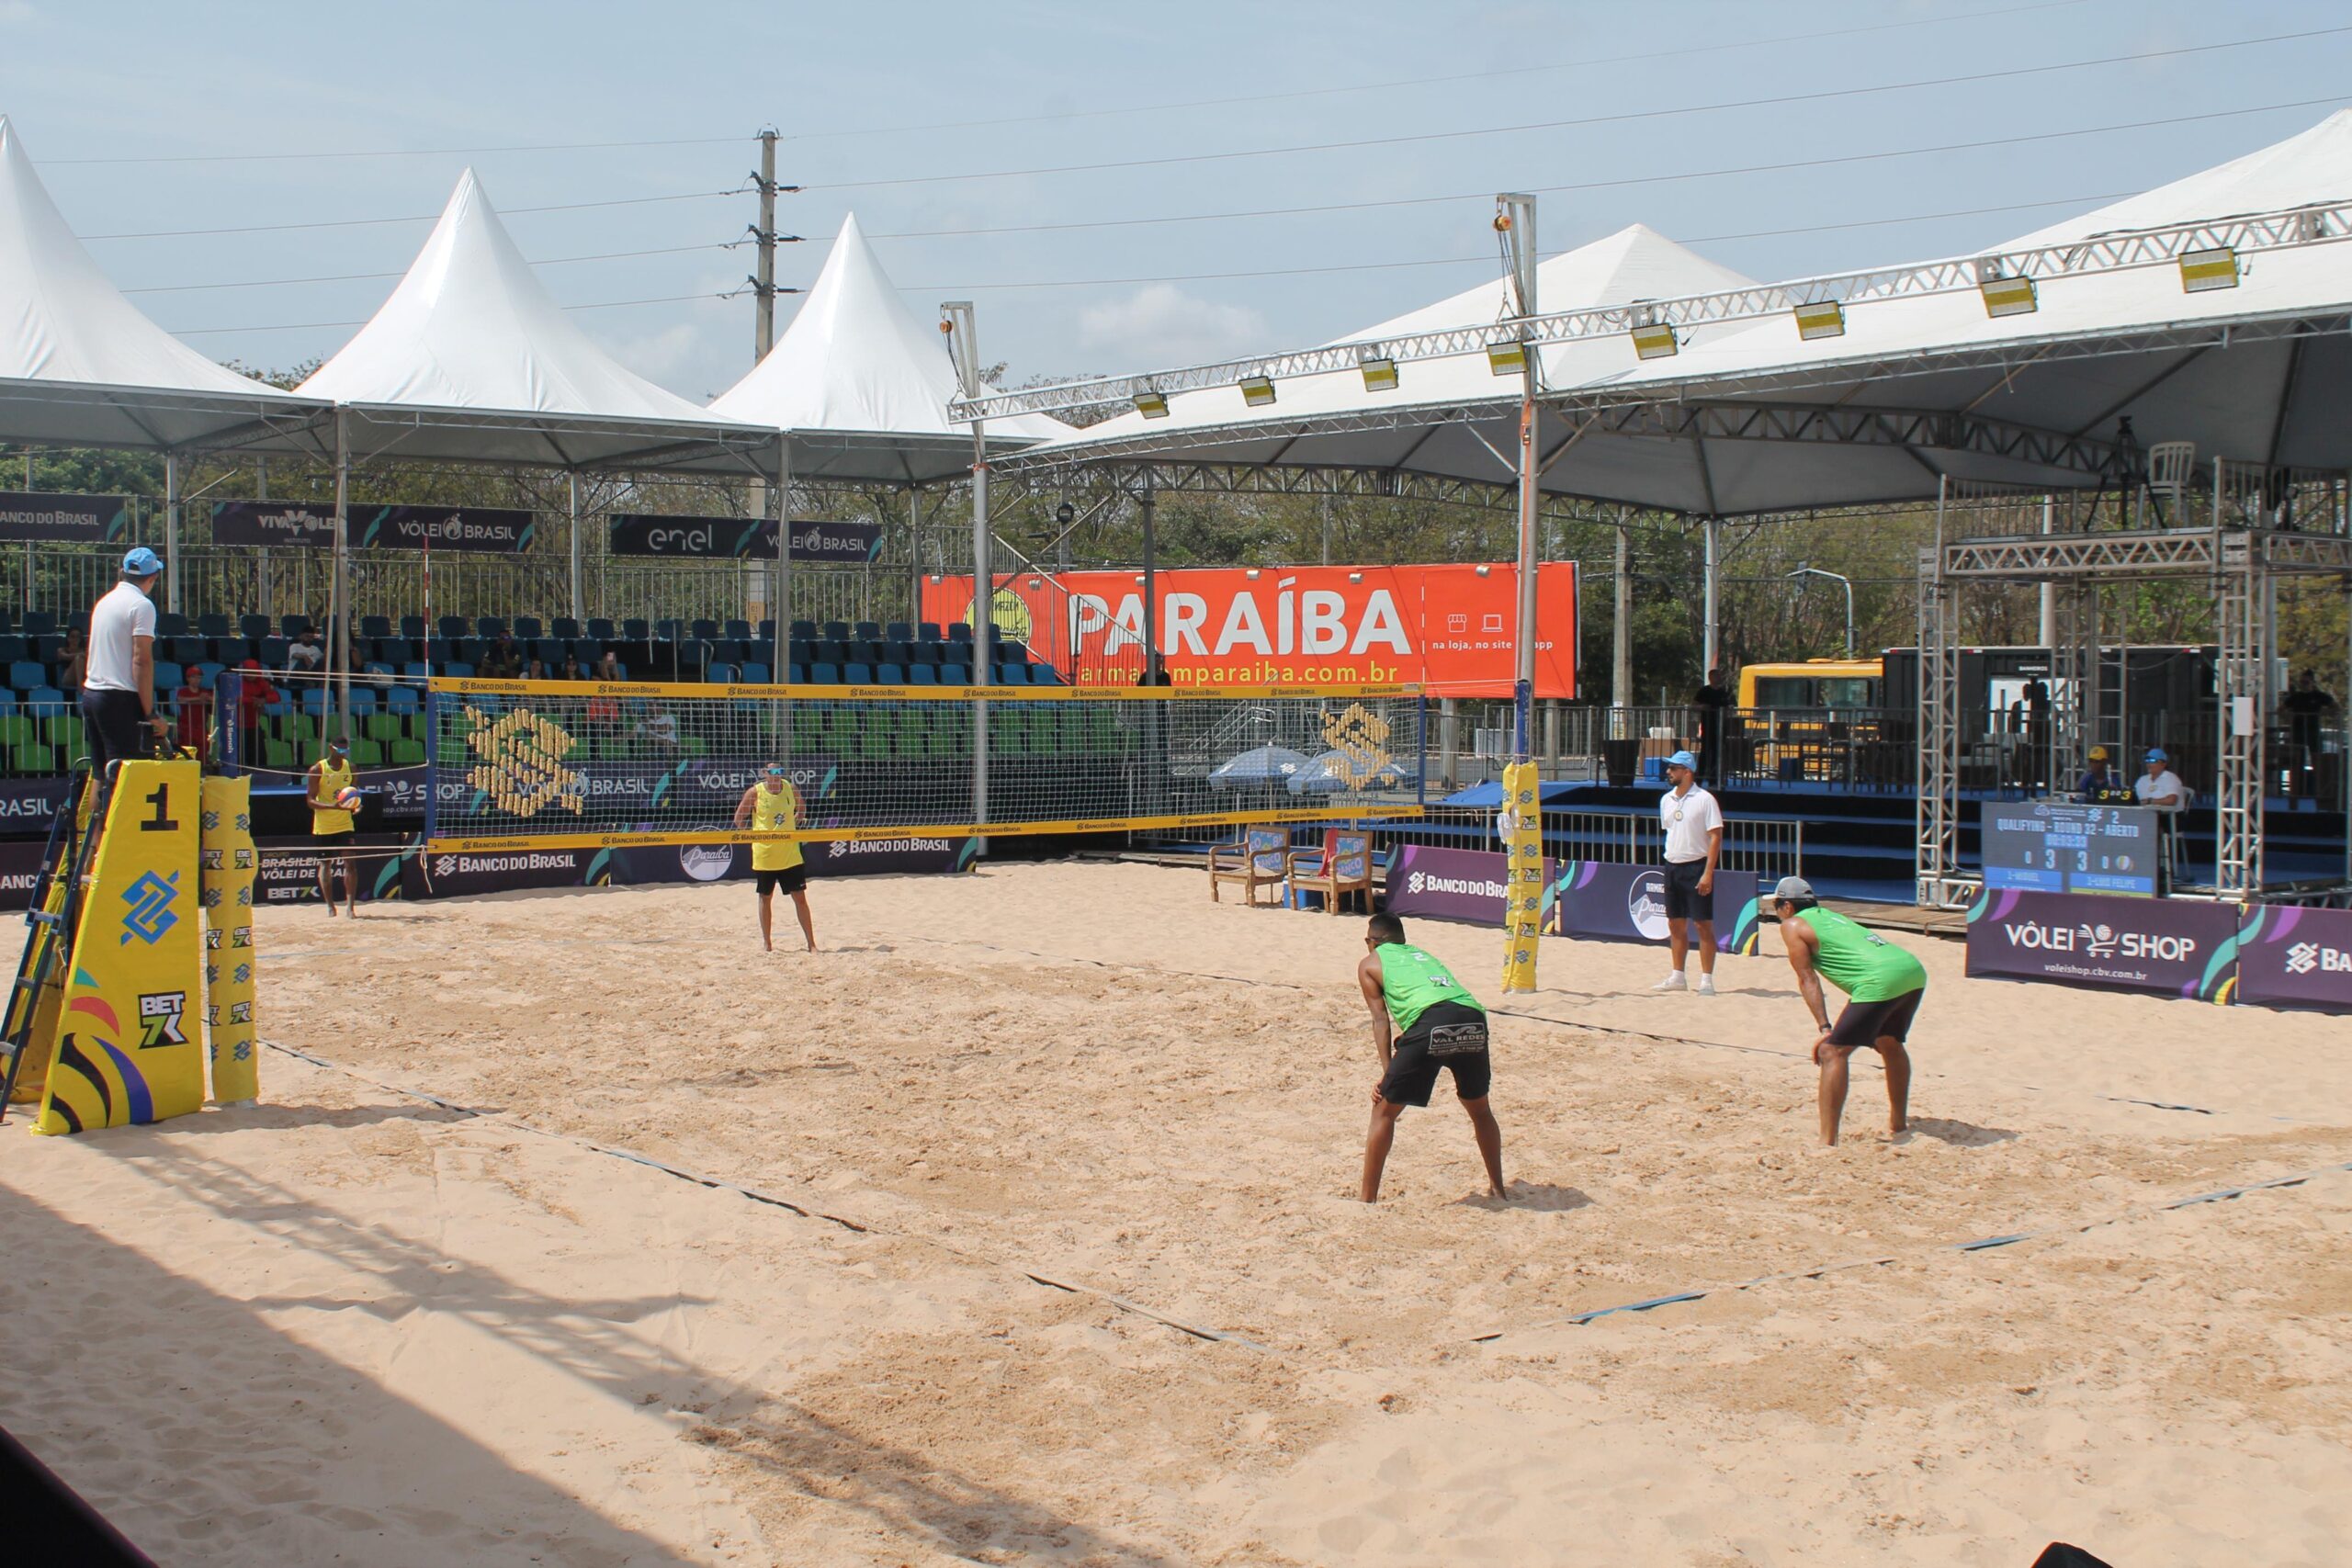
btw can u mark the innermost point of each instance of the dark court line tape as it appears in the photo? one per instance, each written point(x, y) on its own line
point(756, 1195)
point(1985, 1245)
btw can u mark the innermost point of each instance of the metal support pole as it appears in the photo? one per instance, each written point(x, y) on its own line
point(956, 320)
point(267, 600)
point(578, 559)
point(1150, 507)
point(779, 510)
point(339, 586)
point(172, 532)
point(1327, 530)
point(2049, 632)
point(1621, 674)
point(914, 554)
point(764, 283)
point(1713, 641)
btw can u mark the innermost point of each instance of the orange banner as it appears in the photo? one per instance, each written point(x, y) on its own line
point(1450, 628)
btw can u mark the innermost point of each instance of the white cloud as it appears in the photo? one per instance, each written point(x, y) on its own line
point(14, 11)
point(1161, 324)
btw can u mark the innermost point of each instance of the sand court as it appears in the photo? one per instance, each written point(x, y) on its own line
point(1086, 1074)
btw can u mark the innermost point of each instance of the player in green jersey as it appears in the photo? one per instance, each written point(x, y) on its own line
point(1435, 1023)
point(1882, 984)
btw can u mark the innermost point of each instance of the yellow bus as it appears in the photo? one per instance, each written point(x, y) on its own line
point(1816, 683)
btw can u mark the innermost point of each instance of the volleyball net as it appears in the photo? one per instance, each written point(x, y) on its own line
point(524, 765)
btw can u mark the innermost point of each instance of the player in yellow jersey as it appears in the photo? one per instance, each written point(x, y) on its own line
point(331, 825)
point(772, 806)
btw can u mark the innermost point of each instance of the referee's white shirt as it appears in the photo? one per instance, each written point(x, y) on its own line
point(1688, 819)
point(121, 615)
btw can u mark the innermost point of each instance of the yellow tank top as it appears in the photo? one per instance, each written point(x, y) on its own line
point(775, 811)
point(332, 779)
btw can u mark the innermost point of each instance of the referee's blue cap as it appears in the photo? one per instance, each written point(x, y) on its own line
point(1683, 759)
point(2157, 754)
point(141, 562)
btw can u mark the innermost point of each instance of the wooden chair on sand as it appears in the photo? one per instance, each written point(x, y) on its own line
point(1260, 859)
point(1340, 868)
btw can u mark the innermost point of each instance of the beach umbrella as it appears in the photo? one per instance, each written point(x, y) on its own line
point(1253, 769)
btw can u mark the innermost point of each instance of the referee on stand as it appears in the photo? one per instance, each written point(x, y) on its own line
point(118, 683)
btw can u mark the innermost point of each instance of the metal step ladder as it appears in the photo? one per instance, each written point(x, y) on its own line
point(48, 934)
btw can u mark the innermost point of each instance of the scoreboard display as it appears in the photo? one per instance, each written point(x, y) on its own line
point(2055, 846)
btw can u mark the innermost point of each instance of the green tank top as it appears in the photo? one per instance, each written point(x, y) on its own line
point(1412, 982)
point(1859, 961)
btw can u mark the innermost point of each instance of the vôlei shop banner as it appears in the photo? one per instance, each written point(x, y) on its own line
point(1450, 628)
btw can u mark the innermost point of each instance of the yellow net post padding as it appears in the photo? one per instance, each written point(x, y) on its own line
point(1523, 852)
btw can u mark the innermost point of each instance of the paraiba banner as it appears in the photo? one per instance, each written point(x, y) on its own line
point(1451, 629)
point(2168, 946)
point(40, 514)
point(815, 540)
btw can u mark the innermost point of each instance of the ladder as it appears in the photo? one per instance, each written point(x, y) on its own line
point(47, 932)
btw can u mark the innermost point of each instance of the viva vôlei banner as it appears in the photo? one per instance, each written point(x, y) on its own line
point(1451, 628)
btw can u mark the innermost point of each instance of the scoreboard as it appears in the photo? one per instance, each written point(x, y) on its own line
point(2055, 846)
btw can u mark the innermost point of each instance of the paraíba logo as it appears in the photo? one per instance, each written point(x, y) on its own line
point(1645, 905)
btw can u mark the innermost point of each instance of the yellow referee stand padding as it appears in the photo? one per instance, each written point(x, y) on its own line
point(227, 869)
point(125, 1051)
point(1523, 860)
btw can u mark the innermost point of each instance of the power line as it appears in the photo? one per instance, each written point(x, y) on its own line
point(372, 276)
point(392, 153)
point(1630, 180)
point(1825, 95)
point(410, 217)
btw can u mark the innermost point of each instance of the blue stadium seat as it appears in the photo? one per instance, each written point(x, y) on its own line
point(897, 631)
point(767, 629)
point(167, 624)
point(403, 699)
point(587, 649)
point(314, 700)
point(208, 672)
point(396, 651)
point(636, 629)
point(563, 627)
point(184, 649)
point(1012, 650)
point(452, 627)
point(925, 652)
point(468, 648)
point(79, 620)
point(37, 622)
point(755, 672)
point(488, 627)
point(417, 671)
point(824, 675)
point(47, 701)
point(48, 648)
point(869, 631)
point(272, 653)
point(8, 624)
point(669, 630)
point(232, 650)
point(864, 650)
point(252, 628)
point(835, 631)
point(24, 675)
point(212, 626)
point(413, 627)
point(955, 675)
point(804, 631)
point(1012, 674)
point(550, 652)
point(13, 649)
point(601, 629)
point(922, 674)
point(799, 675)
point(376, 667)
point(724, 674)
point(1046, 675)
point(739, 630)
point(704, 631)
point(457, 670)
point(857, 674)
point(7, 703)
point(167, 676)
point(889, 675)
point(293, 626)
point(529, 628)
point(370, 626)
point(959, 632)
point(363, 700)
point(929, 632)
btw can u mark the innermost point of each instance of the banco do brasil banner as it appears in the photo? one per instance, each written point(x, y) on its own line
point(38, 514)
point(1450, 628)
point(650, 534)
point(498, 529)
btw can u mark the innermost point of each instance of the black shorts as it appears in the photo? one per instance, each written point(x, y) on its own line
point(1683, 899)
point(1867, 1024)
point(113, 728)
point(791, 879)
point(338, 839)
point(1448, 1035)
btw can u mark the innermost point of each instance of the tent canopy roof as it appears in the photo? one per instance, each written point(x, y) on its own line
point(79, 364)
point(1747, 417)
point(862, 385)
point(470, 360)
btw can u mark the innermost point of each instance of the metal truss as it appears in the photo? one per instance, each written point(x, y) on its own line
point(1940, 884)
point(2323, 223)
point(2181, 552)
point(2241, 683)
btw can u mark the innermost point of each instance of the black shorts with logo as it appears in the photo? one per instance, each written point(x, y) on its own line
point(1867, 1024)
point(1447, 1035)
point(1683, 899)
point(791, 879)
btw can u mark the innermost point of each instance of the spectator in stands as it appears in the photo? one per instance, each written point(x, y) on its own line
point(2306, 706)
point(305, 651)
point(502, 659)
point(74, 663)
point(608, 668)
point(572, 668)
point(1713, 701)
point(537, 670)
point(657, 731)
point(254, 694)
point(119, 690)
point(193, 724)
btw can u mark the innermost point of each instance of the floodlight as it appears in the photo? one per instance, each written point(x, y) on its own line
point(1825, 320)
point(1507, 358)
point(2202, 270)
point(2009, 296)
point(1257, 390)
point(1656, 341)
point(1379, 374)
point(1152, 405)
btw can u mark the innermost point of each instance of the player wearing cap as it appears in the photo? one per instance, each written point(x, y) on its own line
point(1694, 843)
point(772, 806)
point(332, 821)
point(118, 677)
point(1883, 986)
point(1436, 1023)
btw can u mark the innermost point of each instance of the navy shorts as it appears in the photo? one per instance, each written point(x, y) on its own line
point(791, 879)
point(1683, 899)
point(1447, 1035)
point(1867, 1024)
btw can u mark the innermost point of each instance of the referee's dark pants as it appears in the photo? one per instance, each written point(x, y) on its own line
point(111, 722)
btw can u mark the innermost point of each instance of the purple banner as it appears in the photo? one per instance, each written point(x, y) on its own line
point(2167, 947)
point(2294, 958)
point(20, 865)
point(1627, 903)
point(870, 857)
point(1449, 884)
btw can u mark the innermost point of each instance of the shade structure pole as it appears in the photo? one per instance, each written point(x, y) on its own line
point(172, 531)
point(1621, 630)
point(1712, 639)
point(339, 585)
point(779, 510)
point(573, 503)
point(955, 321)
point(914, 553)
point(1150, 507)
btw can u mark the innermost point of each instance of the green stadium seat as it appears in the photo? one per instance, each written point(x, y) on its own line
point(367, 753)
point(382, 726)
point(408, 753)
point(33, 760)
point(277, 755)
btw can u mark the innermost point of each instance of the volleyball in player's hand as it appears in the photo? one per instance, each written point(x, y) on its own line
point(346, 799)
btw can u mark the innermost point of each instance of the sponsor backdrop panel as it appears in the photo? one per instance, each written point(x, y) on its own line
point(2164, 946)
point(41, 514)
point(650, 534)
point(20, 865)
point(1627, 903)
point(1448, 628)
point(1450, 884)
point(288, 873)
point(2293, 957)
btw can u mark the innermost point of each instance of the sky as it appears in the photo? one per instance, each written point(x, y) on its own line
point(1332, 165)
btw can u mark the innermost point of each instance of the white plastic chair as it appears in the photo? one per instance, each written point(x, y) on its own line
point(2170, 465)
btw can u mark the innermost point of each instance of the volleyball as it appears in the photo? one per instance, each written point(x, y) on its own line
point(346, 799)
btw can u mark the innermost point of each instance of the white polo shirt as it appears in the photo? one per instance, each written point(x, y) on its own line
point(2164, 783)
point(123, 614)
point(1688, 819)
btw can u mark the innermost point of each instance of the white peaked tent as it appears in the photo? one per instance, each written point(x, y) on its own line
point(1452, 418)
point(471, 361)
point(861, 384)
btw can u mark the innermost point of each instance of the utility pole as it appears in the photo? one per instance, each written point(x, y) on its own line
point(763, 280)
